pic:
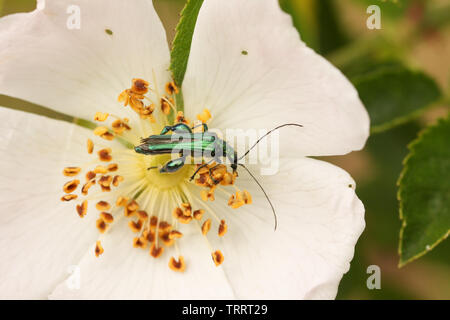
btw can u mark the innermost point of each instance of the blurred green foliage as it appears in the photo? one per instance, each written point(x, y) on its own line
point(337, 30)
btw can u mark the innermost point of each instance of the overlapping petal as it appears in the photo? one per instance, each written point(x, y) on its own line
point(320, 219)
point(45, 60)
point(40, 237)
point(250, 68)
point(123, 272)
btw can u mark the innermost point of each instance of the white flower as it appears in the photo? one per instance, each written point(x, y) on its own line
point(249, 67)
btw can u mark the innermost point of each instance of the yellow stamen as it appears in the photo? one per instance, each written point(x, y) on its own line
point(100, 116)
point(217, 257)
point(98, 249)
point(177, 265)
point(71, 186)
point(71, 171)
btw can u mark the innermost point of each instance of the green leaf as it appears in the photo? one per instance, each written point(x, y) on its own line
point(308, 17)
point(183, 38)
point(395, 95)
point(424, 193)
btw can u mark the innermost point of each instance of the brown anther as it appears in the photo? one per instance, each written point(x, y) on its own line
point(100, 170)
point(139, 86)
point(128, 213)
point(119, 126)
point(177, 265)
point(222, 228)
point(180, 118)
point(100, 131)
point(105, 189)
point(217, 257)
point(90, 146)
point(103, 206)
point(207, 195)
point(202, 180)
point(101, 225)
point(185, 219)
point(82, 208)
point(236, 201)
point(165, 106)
point(165, 237)
point(206, 226)
point(69, 197)
point(105, 155)
point(174, 234)
point(117, 180)
point(98, 249)
point(135, 226)
point(71, 171)
point(247, 197)
point(149, 235)
point(198, 214)
point(124, 97)
point(153, 222)
point(164, 226)
point(122, 201)
point(155, 251)
point(113, 167)
point(228, 179)
point(87, 186)
point(107, 136)
point(139, 242)
point(136, 103)
point(100, 116)
point(107, 217)
point(105, 181)
point(187, 209)
point(177, 213)
point(147, 111)
point(204, 116)
point(133, 206)
point(142, 215)
point(90, 175)
point(71, 186)
point(171, 88)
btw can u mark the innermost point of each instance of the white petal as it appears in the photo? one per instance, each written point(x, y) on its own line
point(80, 71)
point(123, 272)
point(320, 218)
point(278, 81)
point(40, 237)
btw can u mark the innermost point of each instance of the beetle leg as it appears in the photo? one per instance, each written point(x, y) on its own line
point(205, 127)
point(211, 174)
point(179, 128)
point(165, 130)
point(173, 165)
point(198, 169)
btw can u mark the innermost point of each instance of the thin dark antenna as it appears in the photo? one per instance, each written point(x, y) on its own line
point(279, 127)
point(265, 194)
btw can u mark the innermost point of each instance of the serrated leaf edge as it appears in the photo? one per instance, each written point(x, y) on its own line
point(405, 169)
point(178, 35)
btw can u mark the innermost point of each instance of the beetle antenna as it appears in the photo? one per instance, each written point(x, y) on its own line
point(265, 194)
point(274, 129)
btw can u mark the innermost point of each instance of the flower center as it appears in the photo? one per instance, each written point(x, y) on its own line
point(144, 180)
point(165, 181)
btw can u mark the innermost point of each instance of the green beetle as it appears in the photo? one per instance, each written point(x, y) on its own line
point(185, 142)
